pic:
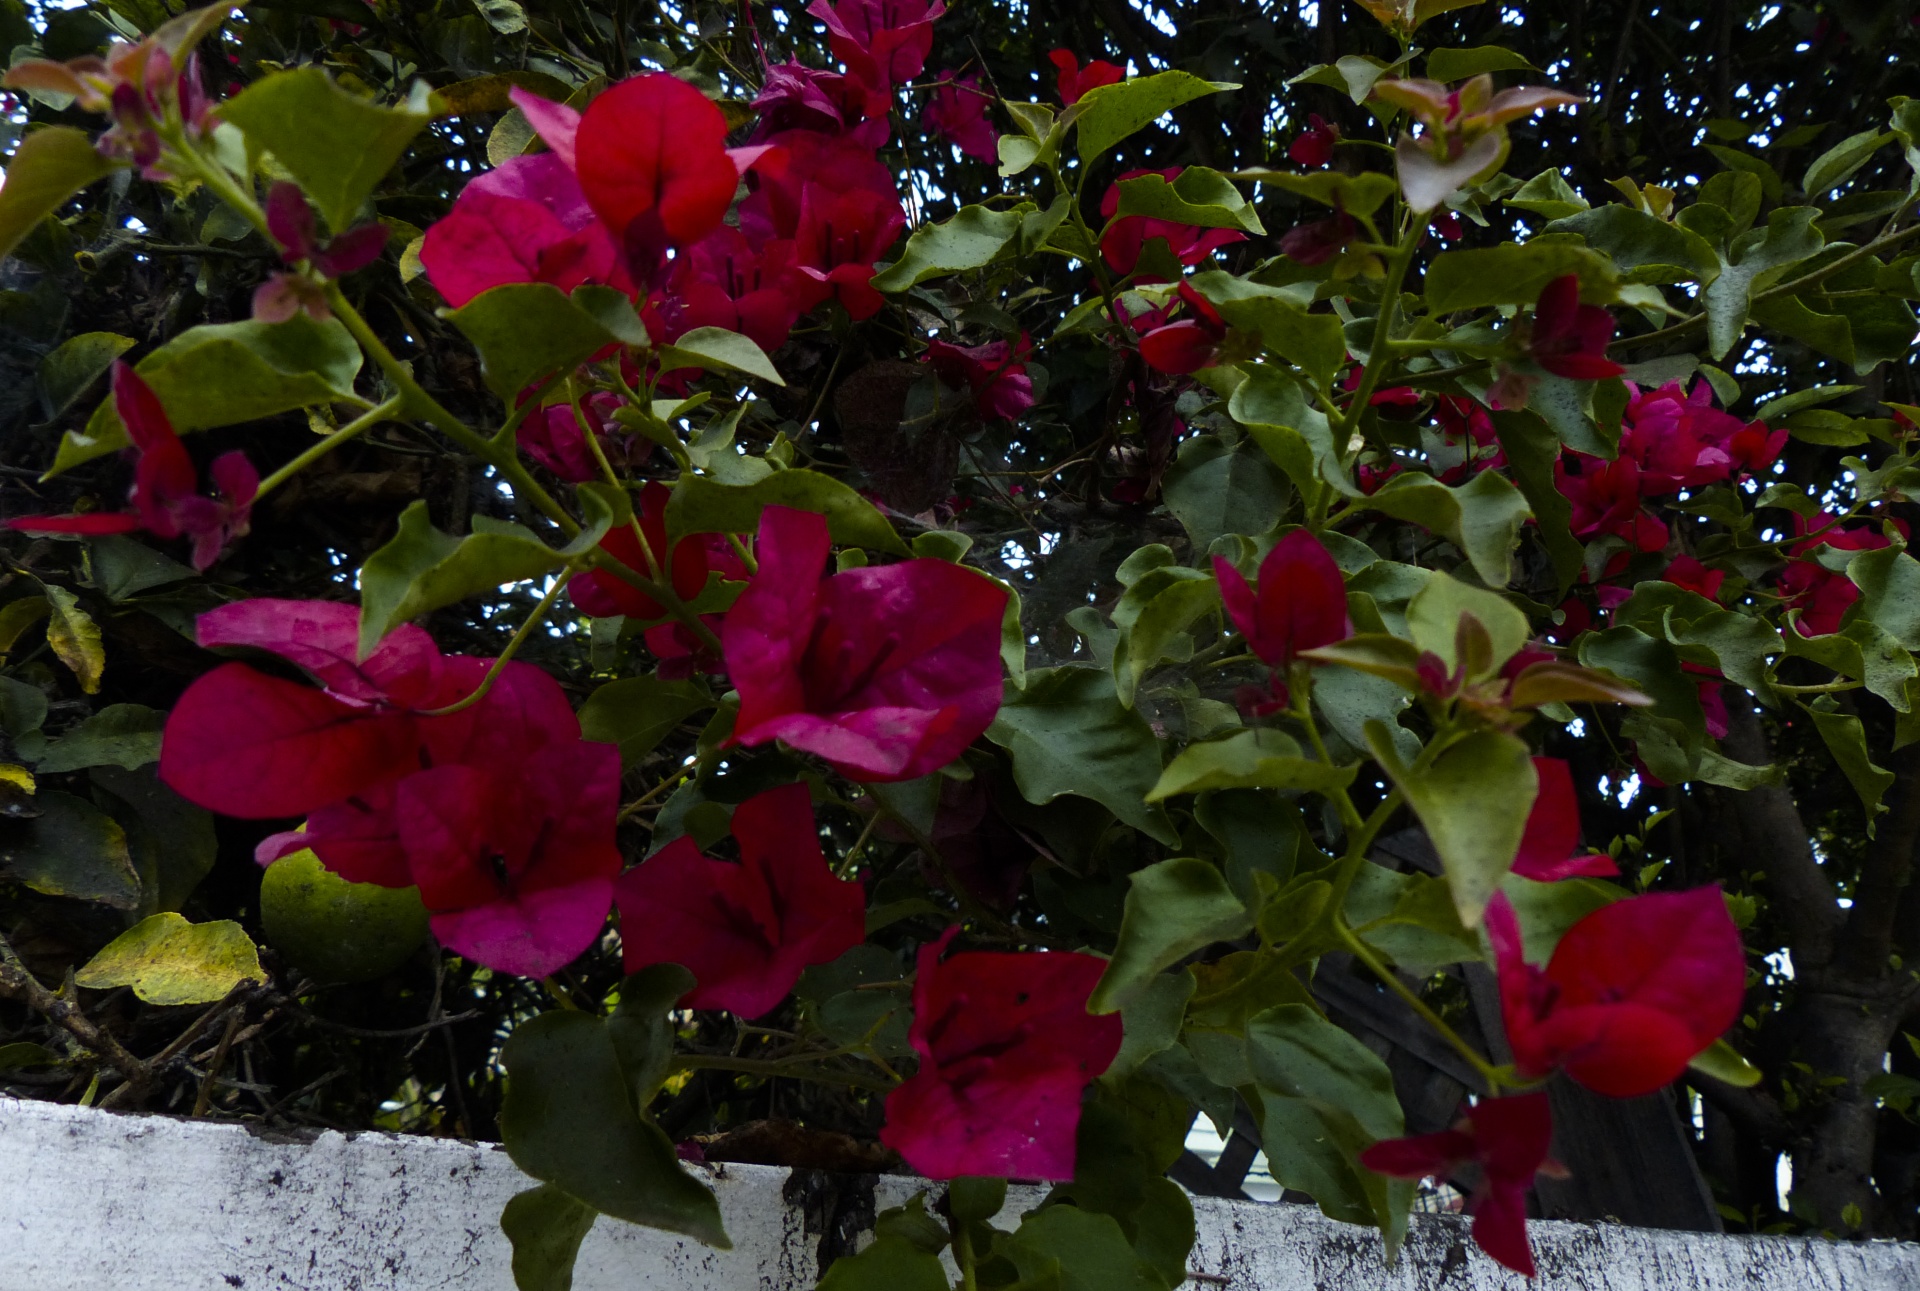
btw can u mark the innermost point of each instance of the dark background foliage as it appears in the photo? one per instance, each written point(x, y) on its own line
point(1777, 81)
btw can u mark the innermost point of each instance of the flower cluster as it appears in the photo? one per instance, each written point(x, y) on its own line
point(497, 811)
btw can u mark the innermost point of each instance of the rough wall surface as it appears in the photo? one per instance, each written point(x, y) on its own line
point(91, 1200)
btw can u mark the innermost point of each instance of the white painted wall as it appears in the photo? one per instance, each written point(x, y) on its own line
point(93, 1201)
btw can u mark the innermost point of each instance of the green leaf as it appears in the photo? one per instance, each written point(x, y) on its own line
point(1547, 194)
point(1434, 612)
point(75, 638)
point(1722, 1061)
point(1214, 488)
point(1837, 164)
point(972, 238)
point(568, 1119)
point(701, 505)
point(122, 735)
point(1654, 666)
point(50, 166)
point(638, 712)
point(26, 1054)
point(1846, 738)
point(891, 1263)
point(642, 1028)
point(1251, 759)
point(333, 930)
point(546, 1227)
point(70, 370)
point(167, 960)
point(223, 373)
point(1173, 909)
point(1889, 583)
point(1634, 238)
point(1312, 342)
point(1293, 434)
point(171, 841)
point(1198, 196)
point(71, 849)
point(1152, 1018)
point(1473, 802)
point(715, 349)
point(1090, 1251)
point(1357, 195)
point(1446, 65)
point(421, 569)
point(1068, 733)
point(1532, 449)
point(1152, 633)
point(1790, 236)
point(1482, 517)
point(120, 567)
point(1512, 274)
point(338, 145)
point(1113, 112)
point(1324, 1097)
point(526, 331)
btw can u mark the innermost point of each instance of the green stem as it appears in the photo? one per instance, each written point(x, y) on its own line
point(1358, 843)
point(1488, 1072)
point(513, 648)
point(963, 1257)
point(1379, 354)
point(351, 431)
point(760, 1067)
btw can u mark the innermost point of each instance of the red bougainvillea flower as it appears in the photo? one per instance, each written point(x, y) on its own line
point(996, 373)
point(746, 931)
point(1301, 603)
point(886, 672)
point(882, 42)
point(957, 112)
point(1447, 225)
point(796, 97)
point(1006, 1047)
point(1681, 440)
point(290, 220)
point(552, 436)
point(840, 236)
point(651, 157)
point(803, 162)
point(515, 862)
point(1314, 145)
point(1688, 572)
point(1074, 80)
point(1190, 344)
point(1548, 847)
point(165, 497)
point(602, 594)
point(1570, 339)
point(680, 652)
point(1125, 239)
point(726, 281)
point(524, 221)
point(1632, 993)
point(1819, 594)
point(1508, 1139)
point(1606, 501)
point(1320, 240)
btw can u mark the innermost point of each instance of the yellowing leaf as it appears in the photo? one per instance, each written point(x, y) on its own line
point(17, 616)
point(75, 637)
point(167, 960)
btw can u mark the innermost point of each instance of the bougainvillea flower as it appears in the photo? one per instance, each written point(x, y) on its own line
point(746, 931)
point(323, 639)
point(651, 158)
point(515, 862)
point(291, 222)
point(996, 374)
point(524, 221)
point(603, 594)
point(1822, 596)
point(1549, 848)
point(165, 497)
point(1570, 339)
point(1301, 603)
point(1124, 240)
point(882, 42)
point(1448, 226)
point(796, 97)
point(957, 112)
point(1006, 1047)
point(1508, 1139)
point(1314, 145)
point(1680, 440)
point(1074, 80)
point(1190, 344)
point(1321, 240)
point(1606, 501)
point(807, 163)
point(887, 672)
point(680, 652)
point(1688, 572)
point(727, 281)
point(1631, 994)
point(553, 436)
point(840, 236)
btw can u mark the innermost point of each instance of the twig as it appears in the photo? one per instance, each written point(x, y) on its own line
point(17, 982)
point(399, 1033)
point(205, 1097)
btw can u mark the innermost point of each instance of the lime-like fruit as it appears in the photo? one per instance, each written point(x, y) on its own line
point(333, 930)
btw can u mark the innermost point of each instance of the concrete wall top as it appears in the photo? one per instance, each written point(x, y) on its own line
point(92, 1201)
